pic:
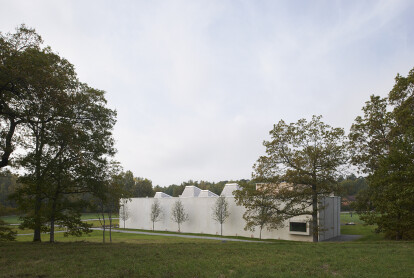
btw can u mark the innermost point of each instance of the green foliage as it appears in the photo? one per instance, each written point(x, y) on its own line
point(110, 196)
point(263, 207)
point(6, 233)
point(348, 188)
point(384, 138)
point(20, 75)
point(351, 185)
point(63, 126)
point(8, 185)
point(302, 164)
point(136, 186)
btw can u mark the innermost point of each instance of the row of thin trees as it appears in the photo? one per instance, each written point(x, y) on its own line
point(220, 212)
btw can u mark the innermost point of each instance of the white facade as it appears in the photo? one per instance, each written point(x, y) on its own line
point(199, 206)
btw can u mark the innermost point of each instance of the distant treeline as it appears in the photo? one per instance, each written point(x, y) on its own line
point(348, 187)
point(215, 187)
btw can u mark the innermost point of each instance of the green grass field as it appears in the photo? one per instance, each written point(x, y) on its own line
point(133, 255)
point(14, 219)
point(367, 231)
point(153, 256)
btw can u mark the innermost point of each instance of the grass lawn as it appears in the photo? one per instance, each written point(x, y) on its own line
point(14, 219)
point(94, 215)
point(153, 256)
point(11, 219)
point(367, 231)
point(133, 255)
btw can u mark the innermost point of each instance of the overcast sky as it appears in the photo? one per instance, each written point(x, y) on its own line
point(198, 84)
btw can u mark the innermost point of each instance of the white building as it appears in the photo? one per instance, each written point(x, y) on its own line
point(199, 205)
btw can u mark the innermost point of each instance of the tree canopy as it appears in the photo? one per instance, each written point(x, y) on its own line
point(62, 125)
point(382, 142)
point(302, 164)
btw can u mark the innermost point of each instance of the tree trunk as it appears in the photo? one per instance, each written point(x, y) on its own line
point(315, 231)
point(260, 234)
point(221, 229)
point(38, 192)
point(8, 145)
point(103, 235)
point(37, 222)
point(52, 229)
point(153, 225)
point(110, 227)
point(52, 223)
point(53, 212)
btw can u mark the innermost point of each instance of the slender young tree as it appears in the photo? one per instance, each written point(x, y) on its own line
point(156, 212)
point(221, 212)
point(179, 215)
point(124, 211)
point(108, 198)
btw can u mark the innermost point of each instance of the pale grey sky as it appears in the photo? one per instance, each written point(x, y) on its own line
point(198, 84)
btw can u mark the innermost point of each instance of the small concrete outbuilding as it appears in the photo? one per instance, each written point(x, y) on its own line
point(199, 205)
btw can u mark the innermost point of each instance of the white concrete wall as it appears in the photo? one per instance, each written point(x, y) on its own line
point(329, 218)
point(200, 220)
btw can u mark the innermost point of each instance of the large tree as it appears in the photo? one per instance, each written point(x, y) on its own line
point(64, 128)
point(383, 143)
point(302, 164)
point(32, 78)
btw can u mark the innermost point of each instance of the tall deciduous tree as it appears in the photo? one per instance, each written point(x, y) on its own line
point(383, 139)
point(306, 157)
point(221, 212)
point(21, 72)
point(178, 214)
point(65, 127)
